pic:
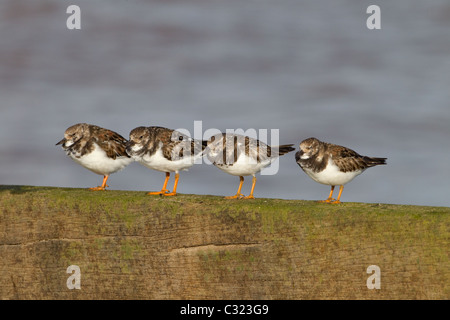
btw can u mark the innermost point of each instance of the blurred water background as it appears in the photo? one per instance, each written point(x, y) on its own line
point(307, 68)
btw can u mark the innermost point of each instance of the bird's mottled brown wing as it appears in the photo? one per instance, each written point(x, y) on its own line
point(111, 142)
point(348, 160)
point(227, 148)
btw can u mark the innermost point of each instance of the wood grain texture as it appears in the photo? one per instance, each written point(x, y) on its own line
point(129, 245)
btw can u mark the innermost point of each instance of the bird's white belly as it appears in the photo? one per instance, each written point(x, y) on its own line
point(98, 162)
point(244, 166)
point(158, 162)
point(332, 176)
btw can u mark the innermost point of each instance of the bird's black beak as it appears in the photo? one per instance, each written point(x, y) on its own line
point(61, 142)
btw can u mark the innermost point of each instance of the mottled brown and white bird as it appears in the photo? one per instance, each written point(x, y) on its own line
point(241, 156)
point(165, 150)
point(99, 150)
point(332, 164)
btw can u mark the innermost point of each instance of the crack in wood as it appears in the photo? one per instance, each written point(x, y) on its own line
point(225, 246)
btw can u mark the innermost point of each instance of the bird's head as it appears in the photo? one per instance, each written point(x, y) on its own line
point(309, 148)
point(139, 138)
point(74, 134)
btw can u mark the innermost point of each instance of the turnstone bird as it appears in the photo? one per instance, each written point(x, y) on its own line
point(332, 165)
point(164, 150)
point(241, 156)
point(100, 150)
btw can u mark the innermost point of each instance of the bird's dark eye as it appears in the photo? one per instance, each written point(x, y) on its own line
point(141, 137)
point(180, 138)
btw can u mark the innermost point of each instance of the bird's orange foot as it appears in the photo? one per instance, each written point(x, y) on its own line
point(249, 197)
point(236, 196)
point(171, 194)
point(163, 191)
point(335, 202)
point(99, 188)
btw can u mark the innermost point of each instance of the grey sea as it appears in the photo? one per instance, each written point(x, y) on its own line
point(305, 68)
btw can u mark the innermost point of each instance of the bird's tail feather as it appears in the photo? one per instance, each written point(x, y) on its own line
point(371, 161)
point(283, 149)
